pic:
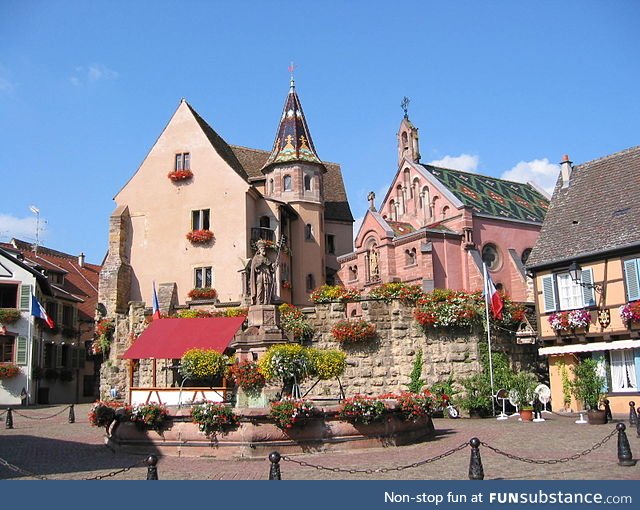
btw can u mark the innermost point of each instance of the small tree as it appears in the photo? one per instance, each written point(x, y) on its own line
point(416, 382)
point(587, 383)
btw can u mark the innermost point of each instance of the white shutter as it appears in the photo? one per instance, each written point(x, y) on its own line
point(25, 297)
point(548, 293)
point(587, 292)
point(631, 279)
point(21, 351)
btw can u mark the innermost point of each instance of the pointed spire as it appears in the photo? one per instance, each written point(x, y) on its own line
point(293, 140)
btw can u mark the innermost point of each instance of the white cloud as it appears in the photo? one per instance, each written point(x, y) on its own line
point(92, 74)
point(464, 162)
point(540, 171)
point(22, 228)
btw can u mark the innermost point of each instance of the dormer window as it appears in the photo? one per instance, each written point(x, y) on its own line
point(286, 183)
point(55, 277)
point(183, 161)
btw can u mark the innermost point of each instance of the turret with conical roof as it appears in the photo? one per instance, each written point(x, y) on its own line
point(293, 141)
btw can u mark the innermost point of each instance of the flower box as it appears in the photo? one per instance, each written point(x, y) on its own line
point(180, 175)
point(8, 370)
point(630, 313)
point(9, 315)
point(350, 331)
point(570, 321)
point(200, 236)
point(203, 293)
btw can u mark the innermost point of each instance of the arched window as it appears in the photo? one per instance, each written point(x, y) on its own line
point(271, 186)
point(286, 183)
point(392, 210)
point(425, 200)
point(307, 182)
point(407, 181)
point(525, 256)
point(308, 232)
point(410, 257)
point(491, 256)
point(405, 142)
point(445, 211)
point(310, 282)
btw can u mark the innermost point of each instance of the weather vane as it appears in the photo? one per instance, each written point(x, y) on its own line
point(292, 68)
point(405, 106)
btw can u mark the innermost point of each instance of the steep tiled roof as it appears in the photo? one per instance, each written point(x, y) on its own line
point(599, 210)
point(335, 197)
point(401, 228)
point(492, 196)
point(293, 140)
point(80, 283)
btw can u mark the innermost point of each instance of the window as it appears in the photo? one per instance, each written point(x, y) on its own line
point(331, 244)
point(183, 161)
point(445, 211)
point(308, 232)
point(307, 183)
point(200, 219)
point(560, 292)
point(632, 278)
point(353, 273)
point(265, 222)
point(271, 186)
point(203, 277)
point(623, 370)
point(67, 316)
point(8, 296)
point(525, 256)
point(311, 282)
point(88, 385)
point(410, 257)
point(490, 257)
point(6, 349)
point(286, 183)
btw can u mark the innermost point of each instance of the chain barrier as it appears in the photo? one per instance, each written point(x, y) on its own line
point(20, 470)
point(377, 470)
point(114, 473)
point(2, 413)
point(40, 417)
point(550, 461)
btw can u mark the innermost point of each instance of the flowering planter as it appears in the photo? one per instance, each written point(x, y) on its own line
point(180, 175)
point(200, 236)
point(257, 436)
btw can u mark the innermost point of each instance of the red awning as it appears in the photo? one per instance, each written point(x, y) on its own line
point(171, 338)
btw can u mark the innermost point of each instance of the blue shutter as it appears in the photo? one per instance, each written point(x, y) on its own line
point(548, 293)
point(21, 351)
point(631, 279)
point(588, 296)
point(637, 358)
point(599, 358)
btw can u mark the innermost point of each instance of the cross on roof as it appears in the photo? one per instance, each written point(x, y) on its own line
point(405, 106)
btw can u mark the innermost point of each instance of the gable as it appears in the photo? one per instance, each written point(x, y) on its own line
point(373, 225)
point(5, 272)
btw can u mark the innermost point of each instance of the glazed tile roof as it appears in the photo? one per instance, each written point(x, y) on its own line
point(293, 140)
point(401, 228)
point(598, 212)
point(492, 196)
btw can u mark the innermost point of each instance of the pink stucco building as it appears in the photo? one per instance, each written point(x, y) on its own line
point(191, 214)
point(435, 226)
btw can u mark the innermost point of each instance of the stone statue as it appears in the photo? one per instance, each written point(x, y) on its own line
point(373, 263)
point(261, 277)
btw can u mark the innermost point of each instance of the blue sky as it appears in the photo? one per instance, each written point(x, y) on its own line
point(497, 87)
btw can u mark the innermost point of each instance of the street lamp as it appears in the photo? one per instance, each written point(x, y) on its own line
point(575, 272)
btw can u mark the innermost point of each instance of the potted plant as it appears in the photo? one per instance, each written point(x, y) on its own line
point(629, 313)
point(8, 370)
point(362, 409)
point(203, 365)
point(213, 417)
point(151, 415)
point(524, 385)
point(587, 387)
point(288, 413)
point(477, 395)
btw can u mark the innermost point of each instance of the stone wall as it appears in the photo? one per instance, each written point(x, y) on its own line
point(385, 365)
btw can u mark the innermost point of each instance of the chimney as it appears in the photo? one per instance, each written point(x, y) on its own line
point(81, 259)
point(566, 168)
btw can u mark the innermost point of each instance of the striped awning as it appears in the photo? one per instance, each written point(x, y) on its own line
point(591, 347)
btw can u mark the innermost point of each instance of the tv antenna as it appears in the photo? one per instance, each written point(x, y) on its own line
point(36, 211)
point(502, 395)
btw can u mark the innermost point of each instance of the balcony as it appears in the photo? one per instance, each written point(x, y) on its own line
point(266, 234)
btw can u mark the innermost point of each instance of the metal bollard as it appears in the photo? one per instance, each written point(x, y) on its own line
point(476, 471)
point(633, 416)
point(638, 424)
point(152, 470)
point(9, 421)
point(72, 414)
point(625, 457)
point(274, 470)
point(608, 416)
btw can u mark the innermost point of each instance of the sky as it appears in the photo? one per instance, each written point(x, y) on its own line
point(500, 88)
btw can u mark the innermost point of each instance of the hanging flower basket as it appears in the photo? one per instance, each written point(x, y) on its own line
point(203, 293)
point(8, 370)
point(200, 236)
point(352, 331)
point(180, 175)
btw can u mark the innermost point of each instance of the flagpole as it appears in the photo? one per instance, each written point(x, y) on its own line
point(486, 306)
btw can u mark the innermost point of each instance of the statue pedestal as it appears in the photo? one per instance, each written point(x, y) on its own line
point(263, 331)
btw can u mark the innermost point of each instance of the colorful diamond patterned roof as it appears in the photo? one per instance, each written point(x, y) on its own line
point(492, 196)
point(293, 141)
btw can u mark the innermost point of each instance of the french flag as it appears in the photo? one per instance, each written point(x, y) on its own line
point(37, 310)
point(156, 304)
point(492, 296)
